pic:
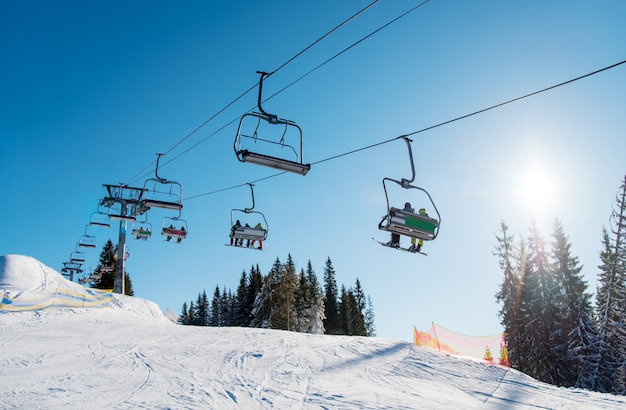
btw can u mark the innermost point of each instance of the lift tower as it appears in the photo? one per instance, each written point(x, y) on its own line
point(130, 201)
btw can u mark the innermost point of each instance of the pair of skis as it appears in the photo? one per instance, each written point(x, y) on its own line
point(399, 247)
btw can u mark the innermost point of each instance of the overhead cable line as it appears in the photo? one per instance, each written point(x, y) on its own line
point(325, 35)
point(298, 79)
point(246, 92)
point(430, 127)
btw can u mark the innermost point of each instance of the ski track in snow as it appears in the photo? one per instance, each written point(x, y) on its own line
point(128, 356)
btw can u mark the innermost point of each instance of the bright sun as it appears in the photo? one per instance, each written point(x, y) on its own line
point(536, 188)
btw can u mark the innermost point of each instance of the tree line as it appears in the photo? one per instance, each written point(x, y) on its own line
point(284, 299)
point(554, 331)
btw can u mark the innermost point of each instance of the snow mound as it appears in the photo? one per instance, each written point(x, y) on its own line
point(22, 273)
point(26, 284)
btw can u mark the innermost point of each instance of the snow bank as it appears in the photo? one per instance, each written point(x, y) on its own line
point(22, 273)
point(26, 284)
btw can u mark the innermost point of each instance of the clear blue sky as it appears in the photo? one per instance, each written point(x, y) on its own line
point(89, 93)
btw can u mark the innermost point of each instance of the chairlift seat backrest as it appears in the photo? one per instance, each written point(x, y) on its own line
point(142, 233)
point(410, 224)
point(249, 232)
point(174, 232)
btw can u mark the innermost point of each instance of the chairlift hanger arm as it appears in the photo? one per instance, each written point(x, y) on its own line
point(406, 182)
point(272, 118)
point(248, 210)
point(156, 170)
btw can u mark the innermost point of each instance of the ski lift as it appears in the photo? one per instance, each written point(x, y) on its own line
point(169, 194)
point(256, 232)
point(172, 231)
point(100, 219)
point(252, 123)
point(106, 269)
point(71, 267)
point(401, 222)
point(86, 240)
point(142, 230)
point(77, 257)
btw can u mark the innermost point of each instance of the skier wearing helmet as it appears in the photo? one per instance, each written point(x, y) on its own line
point(420, 242)
point(395, 238)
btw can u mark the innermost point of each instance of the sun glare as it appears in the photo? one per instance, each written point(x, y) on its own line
point(536, 189)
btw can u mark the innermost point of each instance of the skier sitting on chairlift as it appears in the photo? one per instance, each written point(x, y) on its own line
point(395, 238)
point(180, 238)
point(420, 242)
point(237, 241)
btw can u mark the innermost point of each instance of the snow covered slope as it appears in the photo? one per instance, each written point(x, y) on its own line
point(129, 356)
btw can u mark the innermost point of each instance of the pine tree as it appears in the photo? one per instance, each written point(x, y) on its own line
point(108, 260)
point(315, 297)
point(370, 328)
point(358, 311)
point(539, 306)
point(228, 308)
point(263, 309)
point(184, 316)
point(254, 288)
point(191, 314)
point(217, 318)
point(284, 305)
point(346, 306)
point(609, 372)
point(302, 303)
point(241, 314)
point(577, 333)
point(202, 309)
point(509, 295)
point(332, 323)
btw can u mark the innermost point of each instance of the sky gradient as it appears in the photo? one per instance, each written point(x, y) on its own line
point(89, 94)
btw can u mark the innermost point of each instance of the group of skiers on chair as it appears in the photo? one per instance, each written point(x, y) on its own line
point(416, 244)
point(239, 241)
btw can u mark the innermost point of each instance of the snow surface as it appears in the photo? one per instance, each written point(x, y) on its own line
point(126, 354)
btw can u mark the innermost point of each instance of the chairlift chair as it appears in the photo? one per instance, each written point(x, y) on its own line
point(143, 231)
point(100, 219)
point(170, 228)
point(106, 269)
point(71, 267)
point(401, 222)
point(77, 257)
point(247, 131)
point(250, 232)
point(169, 194)
point(87, 241)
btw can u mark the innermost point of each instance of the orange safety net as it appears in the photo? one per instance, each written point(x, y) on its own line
point(491, 349)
